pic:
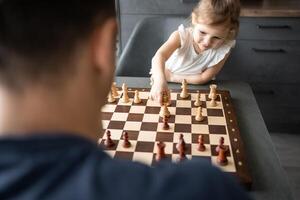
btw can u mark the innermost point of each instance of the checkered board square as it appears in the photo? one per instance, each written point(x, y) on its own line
point(145, 129)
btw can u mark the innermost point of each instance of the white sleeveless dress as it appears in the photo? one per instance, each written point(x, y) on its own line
point(185, 61)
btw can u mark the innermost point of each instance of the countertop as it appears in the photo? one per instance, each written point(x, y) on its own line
point(270, 8)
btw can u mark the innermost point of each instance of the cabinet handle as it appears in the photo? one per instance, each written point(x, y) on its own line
point(273, 26)
point(189, 1)
point(257, 50)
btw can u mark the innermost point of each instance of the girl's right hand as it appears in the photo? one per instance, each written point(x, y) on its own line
point(158, 90)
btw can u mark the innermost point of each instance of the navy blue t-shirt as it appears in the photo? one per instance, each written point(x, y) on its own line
point(70, 167)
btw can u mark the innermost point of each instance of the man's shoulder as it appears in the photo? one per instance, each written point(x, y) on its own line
point(79, 163)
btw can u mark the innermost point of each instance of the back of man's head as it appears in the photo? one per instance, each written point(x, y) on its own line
point(38, 37)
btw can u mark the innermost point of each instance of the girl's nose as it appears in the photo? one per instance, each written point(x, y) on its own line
point(206, 42)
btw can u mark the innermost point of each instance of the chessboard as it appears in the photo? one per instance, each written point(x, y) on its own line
point(145, 129)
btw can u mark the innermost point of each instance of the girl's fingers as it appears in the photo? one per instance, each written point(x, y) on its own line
point(169, 96)
point(160, 99)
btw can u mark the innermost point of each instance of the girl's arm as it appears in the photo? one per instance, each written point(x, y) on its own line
point(160, 86)
point(202, 78)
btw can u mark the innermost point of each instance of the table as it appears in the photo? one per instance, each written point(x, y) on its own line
point(269, 179)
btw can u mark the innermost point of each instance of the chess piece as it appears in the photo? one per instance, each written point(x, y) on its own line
point(213, 90)
point(181, 150)
point(165, 123)
point(213, 102)
point(160, 151)
point(126, 143)
point(213, 95)
point(125, 98)
point(201, 146)
point(197, 102)
point(108, 142)
point(181, 143)
point(199, 117)
point(222, 158)
point(164, 111)
point(165, 99)
point(110, 98)
point(136, 99)
point(221, 144)
point(184, 93)
point(114, 89)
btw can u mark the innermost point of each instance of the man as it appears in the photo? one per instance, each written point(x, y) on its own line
point(56, 68)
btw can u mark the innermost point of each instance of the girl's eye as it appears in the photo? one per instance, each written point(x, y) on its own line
point(202, 32)
point(217, 38)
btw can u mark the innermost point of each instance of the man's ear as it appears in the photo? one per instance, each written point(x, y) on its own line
point(103, 43)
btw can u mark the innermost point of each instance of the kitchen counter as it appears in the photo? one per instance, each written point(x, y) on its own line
point(270, 8)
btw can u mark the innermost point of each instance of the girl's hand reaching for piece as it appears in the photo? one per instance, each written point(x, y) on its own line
point(158, 90)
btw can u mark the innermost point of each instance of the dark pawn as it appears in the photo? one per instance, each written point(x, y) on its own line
point(221, 144)
point(165, 123)
point(201, 146)
point(222, 158)
point(108, 142)
point(160, 151)
point(181, 142)
point(126, 143)
point(181, 150)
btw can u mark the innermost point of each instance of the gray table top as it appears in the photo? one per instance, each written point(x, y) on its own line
point(269, 178)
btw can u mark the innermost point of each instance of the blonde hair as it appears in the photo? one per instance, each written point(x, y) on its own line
point(216, 12)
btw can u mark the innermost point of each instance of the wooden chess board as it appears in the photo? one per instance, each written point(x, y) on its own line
point(145, 129)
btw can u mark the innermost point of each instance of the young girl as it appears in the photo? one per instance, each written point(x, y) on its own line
point(196, 53)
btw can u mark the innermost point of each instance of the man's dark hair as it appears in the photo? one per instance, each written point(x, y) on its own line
point(35, 35)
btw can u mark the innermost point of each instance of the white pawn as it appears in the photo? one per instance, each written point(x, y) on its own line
point(164, 111)
point(110, 98)
point(213, 90)
point(213, 102)
point(184, 94)
point(198, 102)
point(114, 89)
point(125, 98)
point(136, 97)
point(199, 117)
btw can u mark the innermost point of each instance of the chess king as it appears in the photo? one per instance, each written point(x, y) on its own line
point(57, 62)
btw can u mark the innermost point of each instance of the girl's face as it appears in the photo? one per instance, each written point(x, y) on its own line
point(209, 36)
